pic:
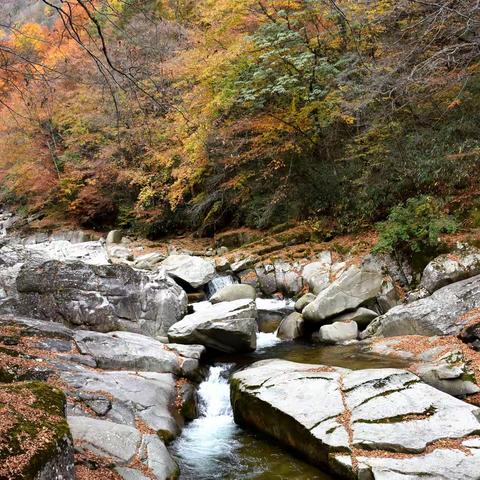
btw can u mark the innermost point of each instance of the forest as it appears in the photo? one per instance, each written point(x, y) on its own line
point(198, 115)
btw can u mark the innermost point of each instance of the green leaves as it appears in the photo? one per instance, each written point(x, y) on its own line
point(414, 227)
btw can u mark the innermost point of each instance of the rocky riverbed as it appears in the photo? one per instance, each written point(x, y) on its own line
point(336, 358)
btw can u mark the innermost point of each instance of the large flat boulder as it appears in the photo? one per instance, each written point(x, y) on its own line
point(194, 271)
point(452, 267)
point(100, 297)
point(445, 312)
point(131, 351)
point(371, 419)
point(352, 289)
point(227, 327)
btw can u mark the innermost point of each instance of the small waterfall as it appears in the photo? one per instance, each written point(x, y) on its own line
point(209, 442)
point(217, 283)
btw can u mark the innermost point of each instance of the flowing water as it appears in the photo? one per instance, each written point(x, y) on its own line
point(212, 447)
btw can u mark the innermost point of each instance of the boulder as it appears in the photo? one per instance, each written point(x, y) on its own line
point(114, 236)
point(131, 351)
point(226, 327)
point(125, 397)
point(35, 440)
point(317, 275)
point(455, 266)
point(303, 301)
point(222, 264)
point(267, 283)
point(349, 291)
point(119, 254)
point(194, 271)
point(338, 332)
point(124, 445)
point(150, 261)
point(93, 253)
point(340, 419)
point(289, 280)
point(291, 327)
point(119, 443)
point(361, 316)
point(441, 362)
point(445, 312)
point(102, 298)
point(387, 298)
point(234, 292)
point(243, 264)
point(271, 312)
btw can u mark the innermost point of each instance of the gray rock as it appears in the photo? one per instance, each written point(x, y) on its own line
point(291, 327)
point(455, 266)
point(443, 367)
point(101, 298)
point(193, 270)
point(388, 296)
point(150, 261)
point(267, 281)
point(303, 301)
point(222, 264)
point(332, 415)
point(130, 474)
point(271, 312)
point(131, 351)
point(417, 294)
point(230, 293)
point(114, 236)
point(106, 439)
point(93, 253)
point(443, 313)
point(146, 396)
point(317, 275)
point(362, 317)
point(398, 267)
point(243, 264)
point(348, 292)
point(288, 278)
point(119, 254)
point(155, 456)
point(227, 327)
point(38, 328)
point(338, 332)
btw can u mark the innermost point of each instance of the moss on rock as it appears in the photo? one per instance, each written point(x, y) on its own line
point(33, 431)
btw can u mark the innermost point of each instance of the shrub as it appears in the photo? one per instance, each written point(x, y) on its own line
point(415, 227)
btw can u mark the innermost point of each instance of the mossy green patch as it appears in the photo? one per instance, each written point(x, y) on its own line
point(36, 411)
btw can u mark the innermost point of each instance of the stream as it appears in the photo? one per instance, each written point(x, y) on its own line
point(213, 447)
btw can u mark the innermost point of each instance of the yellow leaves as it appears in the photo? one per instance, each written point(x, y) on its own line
point(456, 103)
point(348, 119)
point(30, 36)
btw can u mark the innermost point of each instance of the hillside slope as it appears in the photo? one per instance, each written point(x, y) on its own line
point(167, 115)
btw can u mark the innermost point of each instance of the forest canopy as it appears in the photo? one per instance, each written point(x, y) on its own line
point(202, 114)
